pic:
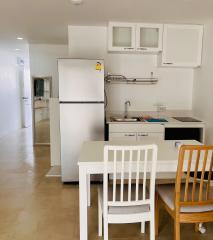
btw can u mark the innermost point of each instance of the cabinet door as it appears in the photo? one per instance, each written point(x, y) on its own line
point(121, 36)
point(182, 45)
point(149, 37)
point(123, 136)
point(141, 136)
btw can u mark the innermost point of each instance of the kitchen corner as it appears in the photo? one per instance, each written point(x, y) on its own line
point(169, 125)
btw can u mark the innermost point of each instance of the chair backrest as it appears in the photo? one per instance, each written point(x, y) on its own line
point(135, 162)
point(191, 188)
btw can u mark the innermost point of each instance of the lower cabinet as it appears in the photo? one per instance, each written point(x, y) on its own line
point(135, 132)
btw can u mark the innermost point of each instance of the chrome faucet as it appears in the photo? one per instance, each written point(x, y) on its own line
point(126, 108)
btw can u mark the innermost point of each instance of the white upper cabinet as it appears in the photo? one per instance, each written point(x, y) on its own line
point(182, 45)
point(134, 37)
point(121, 36)
point(149, 37)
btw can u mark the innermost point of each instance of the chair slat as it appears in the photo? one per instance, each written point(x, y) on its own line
point(137, 174)
point(122, 176)
point(188, 176)
point(202, 176)
point(114, 175)
point(209, 177)
point(195, 174)
point(130, 177)
point(144, 175)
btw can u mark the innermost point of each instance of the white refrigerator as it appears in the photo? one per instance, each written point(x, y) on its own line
point(81, 97)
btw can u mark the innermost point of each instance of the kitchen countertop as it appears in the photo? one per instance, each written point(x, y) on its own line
point(165, 115)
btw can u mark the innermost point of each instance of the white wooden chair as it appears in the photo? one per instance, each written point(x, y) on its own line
point(130, 203)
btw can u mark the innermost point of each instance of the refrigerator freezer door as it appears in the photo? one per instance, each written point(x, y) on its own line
point(81, 80)
point(78, 123)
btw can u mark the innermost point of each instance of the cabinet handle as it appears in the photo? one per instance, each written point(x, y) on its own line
point(129, 135)
point(128, 48)
point(142, 48)
point(143, 135)
point(168, 63)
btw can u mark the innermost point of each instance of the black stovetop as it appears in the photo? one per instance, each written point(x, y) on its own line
point(186, 119)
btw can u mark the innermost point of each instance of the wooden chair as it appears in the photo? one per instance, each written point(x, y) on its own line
point(130, 203)
point(191, 200)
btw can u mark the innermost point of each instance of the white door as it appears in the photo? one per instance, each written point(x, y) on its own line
point(81, 80)
point(78, 123)
point(25, 94)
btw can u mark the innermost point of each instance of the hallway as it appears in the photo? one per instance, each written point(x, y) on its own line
point(32, 207)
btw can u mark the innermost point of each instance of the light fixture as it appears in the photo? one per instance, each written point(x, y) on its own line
point(76, 2)
point(19, 38)
point(17, 49)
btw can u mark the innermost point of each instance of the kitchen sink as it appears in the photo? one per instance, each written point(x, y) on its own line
point(138, 119)
point(126, 119)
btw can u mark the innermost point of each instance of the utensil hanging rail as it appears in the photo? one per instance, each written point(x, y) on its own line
point(120, 79)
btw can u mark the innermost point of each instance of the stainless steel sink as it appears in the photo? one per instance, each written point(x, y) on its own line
point(123, 119)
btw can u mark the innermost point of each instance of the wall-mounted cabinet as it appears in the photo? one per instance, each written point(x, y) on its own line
point(149, 37)
point(121, 37)
point(182, 45)
point(134, 37)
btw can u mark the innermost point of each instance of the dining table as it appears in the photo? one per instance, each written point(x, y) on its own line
point(91, 162)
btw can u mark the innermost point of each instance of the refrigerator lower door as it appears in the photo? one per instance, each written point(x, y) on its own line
point(78, 123)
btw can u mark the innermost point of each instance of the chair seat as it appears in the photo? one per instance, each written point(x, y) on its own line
point(123, 209)
point(167, 193)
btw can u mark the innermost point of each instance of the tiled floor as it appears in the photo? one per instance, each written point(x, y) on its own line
point(33, 207)
point(42, 131)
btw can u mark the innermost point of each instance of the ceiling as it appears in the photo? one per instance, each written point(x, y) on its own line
point(46, 21)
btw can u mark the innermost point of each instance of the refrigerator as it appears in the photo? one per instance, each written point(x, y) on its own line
point(81, 98)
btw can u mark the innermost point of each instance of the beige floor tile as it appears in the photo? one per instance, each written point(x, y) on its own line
point(33, 207)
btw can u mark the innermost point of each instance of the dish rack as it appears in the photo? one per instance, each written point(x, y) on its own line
point(120, 79)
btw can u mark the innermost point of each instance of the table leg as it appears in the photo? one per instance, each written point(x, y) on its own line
point(88, 191)
point(83, 203)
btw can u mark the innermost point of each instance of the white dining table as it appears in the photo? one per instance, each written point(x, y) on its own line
point(91, 162)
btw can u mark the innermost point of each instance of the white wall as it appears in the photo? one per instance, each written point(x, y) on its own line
point(174, 88)
point(10, 108)
point(203, 84)
point(43, 61)
point(55, 132)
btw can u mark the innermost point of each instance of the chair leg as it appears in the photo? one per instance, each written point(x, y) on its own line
point(88, 191)
point(200, 228)
point(157, 209)
point(105, 229)
point(100, 216)
point(143, 227)
point(176, 230)
point(196, 227)
point(152, 226)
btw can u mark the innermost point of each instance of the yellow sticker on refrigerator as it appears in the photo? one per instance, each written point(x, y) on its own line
point(98, 66)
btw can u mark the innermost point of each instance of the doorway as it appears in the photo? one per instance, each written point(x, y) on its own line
point(42, 92)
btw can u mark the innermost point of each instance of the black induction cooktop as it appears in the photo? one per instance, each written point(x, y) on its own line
point(186, 119)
